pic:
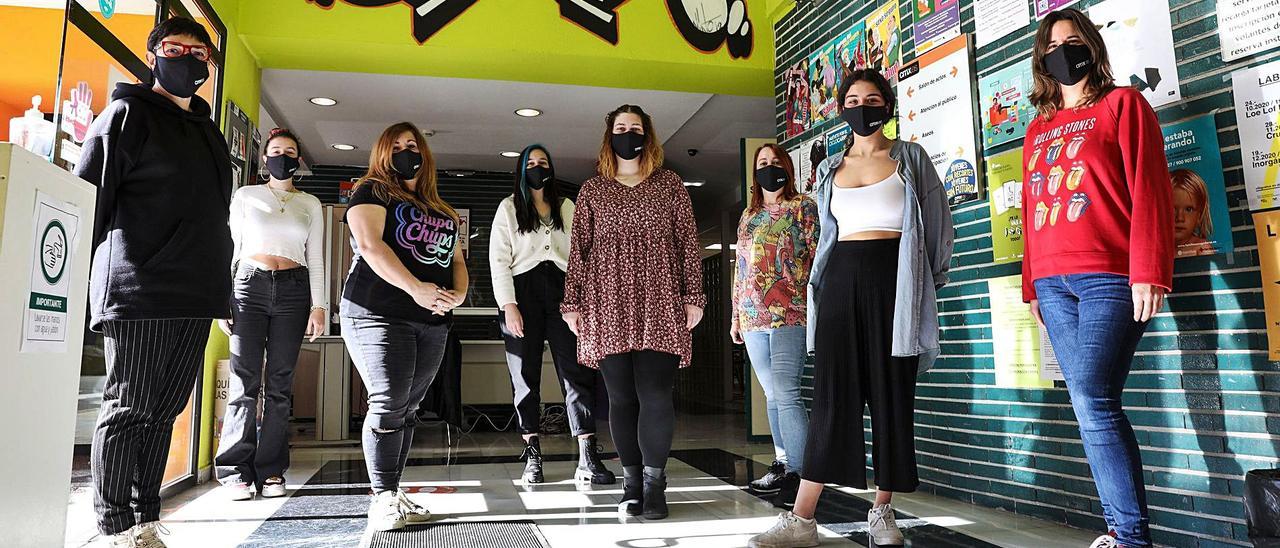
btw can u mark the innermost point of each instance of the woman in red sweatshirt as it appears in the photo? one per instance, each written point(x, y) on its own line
point(1097, 209)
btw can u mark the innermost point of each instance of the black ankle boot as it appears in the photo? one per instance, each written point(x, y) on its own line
point(655, 493)
point(532, 456)
point(589, 465)
point(632, 490)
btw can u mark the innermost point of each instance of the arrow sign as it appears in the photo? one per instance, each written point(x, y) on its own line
point(954, 71)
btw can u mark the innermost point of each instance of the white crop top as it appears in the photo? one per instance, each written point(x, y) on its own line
point(259, 228)
point(872, 207)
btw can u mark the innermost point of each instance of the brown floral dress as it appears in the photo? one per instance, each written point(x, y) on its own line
point(634, 262)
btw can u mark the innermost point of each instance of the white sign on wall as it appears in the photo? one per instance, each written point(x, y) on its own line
point(45, 324)
point(1246, 27)
point(995, 19)
point(936, 111)
point(1257, 100)
point(1140, 45)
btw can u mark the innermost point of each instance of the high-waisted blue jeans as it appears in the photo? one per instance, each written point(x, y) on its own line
point(777, 356)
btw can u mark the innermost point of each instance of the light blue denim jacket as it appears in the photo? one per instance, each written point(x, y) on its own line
point(924, 254)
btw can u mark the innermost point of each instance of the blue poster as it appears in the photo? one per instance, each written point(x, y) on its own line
point(1201, 223)
point(1005, 105)
point(838, 139)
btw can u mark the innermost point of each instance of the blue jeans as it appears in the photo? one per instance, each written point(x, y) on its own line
point(777, 355)
point(1090, 322)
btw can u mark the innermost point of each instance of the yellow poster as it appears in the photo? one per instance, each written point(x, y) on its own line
point(1267, 225)
point(1015, 337)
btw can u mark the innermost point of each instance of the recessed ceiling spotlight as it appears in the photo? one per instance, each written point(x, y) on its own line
point(694, 183)
point(322, 101)
point(509, 154)
point(342, 146)
point(528, 112)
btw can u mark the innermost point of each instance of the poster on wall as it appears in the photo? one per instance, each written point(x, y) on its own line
point(1201, 222)
point(1050, 367)
point(1257, 101)
point(1267, 227)
point(851, 51)
point(1043, 7)
point(797, 79)
point(883, 43)
point(936, 22)
point(1246, 27)
point(838, 140)
point(995, 19)
point(54, 236)
point(810, 153)
point(1004, 188)
point(464, 231)
point(1015, 336)
point(1005, 103)
point(823, 82)
point(936, 110)
point(1139, 42)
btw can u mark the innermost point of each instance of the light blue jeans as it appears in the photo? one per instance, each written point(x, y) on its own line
point(777, 356)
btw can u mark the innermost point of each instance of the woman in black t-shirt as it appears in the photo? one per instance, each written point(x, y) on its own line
point(405, 280)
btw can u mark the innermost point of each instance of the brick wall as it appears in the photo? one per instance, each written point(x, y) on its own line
point(1203, 398)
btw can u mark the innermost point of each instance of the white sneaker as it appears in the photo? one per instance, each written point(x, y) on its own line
point(148, 535)
point(273, 488)
point(1105, 541)
point(119, 540)
point(414, 513)
point(882, 527)
point(791, 531)
point(385, 512)
point(238, 491)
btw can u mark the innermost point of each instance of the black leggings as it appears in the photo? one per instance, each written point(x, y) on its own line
point(642, 413)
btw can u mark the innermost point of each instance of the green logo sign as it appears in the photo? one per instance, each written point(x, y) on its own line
point(53, 252)
point(108, 8)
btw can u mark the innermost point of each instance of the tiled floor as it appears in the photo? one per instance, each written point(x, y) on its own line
point(478, 481)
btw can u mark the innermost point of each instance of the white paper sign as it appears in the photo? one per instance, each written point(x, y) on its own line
point(1257, 100)
point(996, 19)
point(1050, 368)
point(936, 110)
point(1140, 44)
point(45, 324)
point(1246, 27)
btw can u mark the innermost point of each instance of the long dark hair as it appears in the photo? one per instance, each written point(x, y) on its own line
point(1046, 96)
point(526, 212)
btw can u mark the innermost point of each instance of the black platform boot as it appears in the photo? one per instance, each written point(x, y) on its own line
point(532, 456)
point(632, 491)
point(655, 493)
point(589, 465)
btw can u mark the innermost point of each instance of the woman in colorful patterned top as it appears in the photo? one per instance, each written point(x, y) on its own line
point(633, 293)
point(776, 240)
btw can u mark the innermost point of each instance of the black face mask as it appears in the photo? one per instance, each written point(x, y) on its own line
point(407, 163)
point(771, 178)
point(282, 167)
point(1069, 63)
point(537, 177)
point(181, 76)
point(865, 119)
point(627, 145)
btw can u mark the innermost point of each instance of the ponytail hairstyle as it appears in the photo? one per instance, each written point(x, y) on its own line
point(386, 182)
point(526, 212)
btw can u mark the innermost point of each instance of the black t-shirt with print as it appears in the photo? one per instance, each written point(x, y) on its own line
point(423, 241)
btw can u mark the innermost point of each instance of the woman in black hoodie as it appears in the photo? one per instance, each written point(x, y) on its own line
point(161, 268)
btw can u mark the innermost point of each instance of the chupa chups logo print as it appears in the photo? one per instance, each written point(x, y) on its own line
point(429, 238)
point(429, 16)
point(709, 24)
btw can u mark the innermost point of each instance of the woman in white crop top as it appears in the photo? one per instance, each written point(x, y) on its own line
point(528, 252)
point(278, 298)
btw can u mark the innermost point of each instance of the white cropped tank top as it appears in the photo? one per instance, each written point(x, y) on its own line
point(873, 207)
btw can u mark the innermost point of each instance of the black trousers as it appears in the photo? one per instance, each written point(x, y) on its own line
point(152, 366)
point(270, 311)
point(539, 293)
point(854, 368)
point(642, 412)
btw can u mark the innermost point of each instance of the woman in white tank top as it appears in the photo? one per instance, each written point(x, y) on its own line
point(277, 299)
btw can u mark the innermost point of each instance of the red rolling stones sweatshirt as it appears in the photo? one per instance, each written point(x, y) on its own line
point(1096, 195)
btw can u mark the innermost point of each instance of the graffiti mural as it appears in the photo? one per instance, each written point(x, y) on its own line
point(429, 16)
point(599, 17)
point(709, 24)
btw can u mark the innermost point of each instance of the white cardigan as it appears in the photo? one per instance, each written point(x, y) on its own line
point(512, 252)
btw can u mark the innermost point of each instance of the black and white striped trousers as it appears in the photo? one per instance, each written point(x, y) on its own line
point(152, 367)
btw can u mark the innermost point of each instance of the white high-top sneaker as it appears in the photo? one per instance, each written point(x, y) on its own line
point(385, 512)
point(791, 531)
point(882, 527)
point(127, 539)
point(148, 535)
point(414, 513)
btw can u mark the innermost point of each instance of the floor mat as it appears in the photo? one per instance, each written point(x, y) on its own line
point(472, 534)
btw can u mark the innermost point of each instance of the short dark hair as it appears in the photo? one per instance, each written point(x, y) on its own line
point(281, 133)
point(867, 75)
point(177, 26)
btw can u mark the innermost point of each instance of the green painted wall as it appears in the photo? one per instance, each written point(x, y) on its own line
point(1203, 397)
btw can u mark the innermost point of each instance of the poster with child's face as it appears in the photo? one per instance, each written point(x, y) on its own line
point(1201, 223)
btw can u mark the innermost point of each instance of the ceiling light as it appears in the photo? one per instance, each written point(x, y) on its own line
point(341, 146)
point(509, 154)
point(716, 247)
point(322, 101)
point(694, 183)
point(528, 112)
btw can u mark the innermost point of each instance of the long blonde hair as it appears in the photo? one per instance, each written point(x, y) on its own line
point(386, 182)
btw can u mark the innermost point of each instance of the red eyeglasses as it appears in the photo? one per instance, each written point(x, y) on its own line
point(178, 49)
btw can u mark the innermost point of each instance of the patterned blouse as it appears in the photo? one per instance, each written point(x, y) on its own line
point(634, 262)
point(775, 251)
